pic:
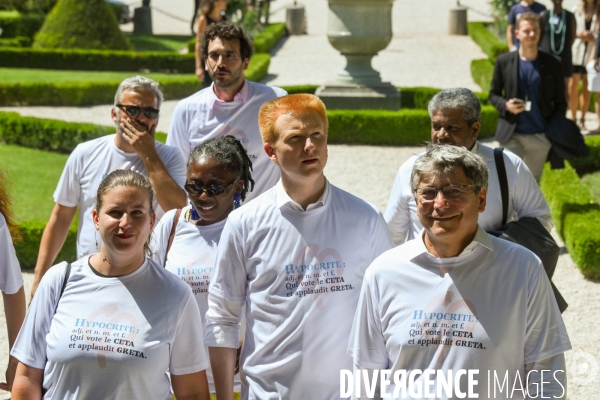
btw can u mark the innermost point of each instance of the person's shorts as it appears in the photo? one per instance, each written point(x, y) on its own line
point(579, 69)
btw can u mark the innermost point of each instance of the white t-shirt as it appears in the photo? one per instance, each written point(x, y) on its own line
point(490, 309)
point(525, 199)
point(203, 116)
point(299, 274)
point(11, 279)
point(192, 258)
point(111, 337)
point(88, 164)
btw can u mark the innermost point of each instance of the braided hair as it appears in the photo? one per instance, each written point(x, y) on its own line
point(229, 153)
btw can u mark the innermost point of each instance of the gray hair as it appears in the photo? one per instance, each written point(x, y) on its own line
point(439, 159)
point(457, 98)
point(139, 84)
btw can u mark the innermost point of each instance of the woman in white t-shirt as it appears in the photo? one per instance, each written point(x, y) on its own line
point(185, 241)
point(11, 280)
point(102, 327)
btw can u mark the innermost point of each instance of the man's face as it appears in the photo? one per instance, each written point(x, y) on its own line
point(300, 150)
point(224, 62)
point(528, 33)
point(142, 100)
point(449, 127)
point(443, 217)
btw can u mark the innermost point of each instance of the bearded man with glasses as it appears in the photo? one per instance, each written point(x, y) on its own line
point(135, 114)
point(229, 106)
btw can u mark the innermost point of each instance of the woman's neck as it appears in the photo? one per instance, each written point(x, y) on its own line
point(215, 14)
point(109, 265)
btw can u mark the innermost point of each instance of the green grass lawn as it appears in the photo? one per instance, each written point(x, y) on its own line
point(33, 175)
point(22, 75)
point(592, 182)
point(158, 42)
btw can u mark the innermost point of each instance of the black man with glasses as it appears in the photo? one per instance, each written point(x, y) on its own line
point(135, 114)
point(456, 310)
point(229, 106)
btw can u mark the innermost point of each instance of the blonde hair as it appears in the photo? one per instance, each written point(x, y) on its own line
point(529, 16)
point(293, 104)
point(126, 178)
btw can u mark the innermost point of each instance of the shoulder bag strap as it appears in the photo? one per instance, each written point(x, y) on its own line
point(172, 234)
point(64, 285)
point(501, 169)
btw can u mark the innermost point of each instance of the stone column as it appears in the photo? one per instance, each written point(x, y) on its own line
point(359, 29)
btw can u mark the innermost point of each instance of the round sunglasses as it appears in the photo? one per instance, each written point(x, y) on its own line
point(212, 190)
point(134, 111)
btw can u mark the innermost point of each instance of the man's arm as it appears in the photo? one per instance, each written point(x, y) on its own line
point(53, 238)
point(560, 99)
point(222, 361)
point(14, 309)
point(496, 95)
point(547, 378)
point(168, 193)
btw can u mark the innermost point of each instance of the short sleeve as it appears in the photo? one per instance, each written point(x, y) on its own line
point(188, 353)
point(546, 335)
point(11, 279)
point(160, 237)
point(178, 136)
point(512, 16)
point(30, 346)
point(175, 164)
point(381, 240)
point(367, 343)
point(68, 190)
point(527, 198)
point(397, 214)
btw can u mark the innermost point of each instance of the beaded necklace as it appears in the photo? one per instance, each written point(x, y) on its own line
point(557, 29)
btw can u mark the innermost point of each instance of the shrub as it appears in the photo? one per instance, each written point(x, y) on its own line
point(96, 60)
point(28, 6)
point(268, 38)
point(482, 72)
point(575, 216)
point(27, 250)
point(489, 43)
point(76, 24)
point(591, 163)
point(310, 89)
point(258, 68)
point(19, 41)
point(15, 24)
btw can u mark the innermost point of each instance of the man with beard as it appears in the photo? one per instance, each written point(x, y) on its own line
point(229, 106)
point(135, 114)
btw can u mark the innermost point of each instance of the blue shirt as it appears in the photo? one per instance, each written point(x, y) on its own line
point(529, 90)
point(517, 10)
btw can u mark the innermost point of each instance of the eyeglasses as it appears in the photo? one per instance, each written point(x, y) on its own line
point(212, 190)
point(134, 111)
point(451, 192)
point(228, 57)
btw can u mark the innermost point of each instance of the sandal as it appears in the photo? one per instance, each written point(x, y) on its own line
point(581, 124)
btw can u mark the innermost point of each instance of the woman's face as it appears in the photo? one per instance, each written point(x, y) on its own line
point(125, 220)
point(208, 174)
point(221, 5)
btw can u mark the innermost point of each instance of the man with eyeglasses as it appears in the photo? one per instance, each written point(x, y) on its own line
point(456, 120)
point(135, 114)
point(456, 309)
point(229, 106)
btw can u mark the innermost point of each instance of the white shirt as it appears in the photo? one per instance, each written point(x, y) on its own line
point(299, 274)
point(204, 116)
point(192, 258)
point(11, 279)
point(284, 200)
point(91, 162)
point(491, 309)
point(111, 337)
point(525, 199)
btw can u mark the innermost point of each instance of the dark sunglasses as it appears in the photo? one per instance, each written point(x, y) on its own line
point(134, 111)
point(212, 190)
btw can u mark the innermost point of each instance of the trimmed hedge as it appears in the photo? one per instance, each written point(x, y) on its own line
point(263, 42)
point(27, 249)
point(489, 43)
point(482, 72)
point(591, 163)
point(19, 41)
point(310, 89)
point(575, 216)
point(15, 24)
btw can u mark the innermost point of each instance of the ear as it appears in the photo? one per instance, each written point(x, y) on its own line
point(239, 185)
point(482, 197)
point(475, 128)
point(113, 114)
point(96, 219)
point(246, 63)
point(270, 150)
point(152, 221)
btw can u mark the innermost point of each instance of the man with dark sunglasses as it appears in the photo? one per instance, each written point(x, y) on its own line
point(135, 114)
point(229, 106)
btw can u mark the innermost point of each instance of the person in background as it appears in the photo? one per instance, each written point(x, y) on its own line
point(586, 16)
point(11, 280)
point(514, 14)
point(218, 178)
point(109, 325)
point(558, 35)
point(211, 11)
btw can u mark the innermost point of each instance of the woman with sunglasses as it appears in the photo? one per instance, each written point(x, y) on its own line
point(109, 325)
point(211, 11)
point(218, 177)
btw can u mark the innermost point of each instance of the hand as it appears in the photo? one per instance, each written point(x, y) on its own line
point(515, 107)
point(200, 73)
point(10, 374)
point(138, 136)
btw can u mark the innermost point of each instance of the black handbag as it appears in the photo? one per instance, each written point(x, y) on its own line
point(528, 232)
